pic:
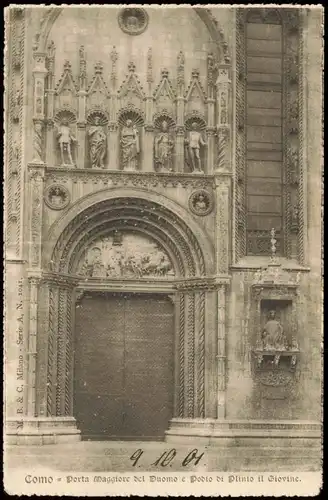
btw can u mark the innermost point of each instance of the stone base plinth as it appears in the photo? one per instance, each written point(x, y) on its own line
point(252, 445)
point(215, 431)
point(41, 430)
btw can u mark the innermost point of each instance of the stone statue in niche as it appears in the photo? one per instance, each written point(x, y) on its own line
point(194, 142)
point(65, 139)
point(164, 149)
point(273, 337)
point(130, 145)
point(98, 144)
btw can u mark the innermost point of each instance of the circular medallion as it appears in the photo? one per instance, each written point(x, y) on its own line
point(133, 21)
point(201, 202)
point(57, 197)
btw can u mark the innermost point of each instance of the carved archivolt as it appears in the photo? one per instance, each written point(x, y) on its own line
point(143, 215)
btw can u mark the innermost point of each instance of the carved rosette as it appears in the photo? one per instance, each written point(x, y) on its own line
point(133, 21)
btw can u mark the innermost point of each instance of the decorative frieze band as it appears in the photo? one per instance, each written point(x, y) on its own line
point(116, 178)
point(202, 284)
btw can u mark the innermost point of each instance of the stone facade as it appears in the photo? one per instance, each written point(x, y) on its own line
point(87, 154)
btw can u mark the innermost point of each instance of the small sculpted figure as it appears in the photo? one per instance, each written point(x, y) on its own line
point(65, 140)
point(130, 145)
point(163, 149)
point(273, 334)
point(194, 143)
point(98, 144)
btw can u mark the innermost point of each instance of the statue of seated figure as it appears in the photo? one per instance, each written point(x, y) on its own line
point(273, 334)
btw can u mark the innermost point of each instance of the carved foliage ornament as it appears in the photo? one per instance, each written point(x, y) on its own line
point(57, 197)
point(201, 202)
point(133, 21)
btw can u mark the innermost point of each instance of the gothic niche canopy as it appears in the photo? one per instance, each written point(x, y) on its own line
point(125, 255)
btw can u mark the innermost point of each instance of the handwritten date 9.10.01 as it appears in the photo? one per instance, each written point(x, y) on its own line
point(167, 458)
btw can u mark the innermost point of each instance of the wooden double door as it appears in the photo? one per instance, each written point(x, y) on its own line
point(123, 366)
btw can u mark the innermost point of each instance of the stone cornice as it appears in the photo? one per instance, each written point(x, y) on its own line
point(163, 285)
point(117, 177)
point(202, 284)
point(60, 279)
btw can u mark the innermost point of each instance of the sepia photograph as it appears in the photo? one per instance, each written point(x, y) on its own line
point(163, 290)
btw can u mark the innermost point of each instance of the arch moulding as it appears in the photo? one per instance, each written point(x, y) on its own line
point(168, 213)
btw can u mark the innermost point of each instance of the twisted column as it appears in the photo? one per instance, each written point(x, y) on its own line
point(221, 353)
point(38, 142)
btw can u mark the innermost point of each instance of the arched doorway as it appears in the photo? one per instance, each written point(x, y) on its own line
point(124, 340)
point(128, 328)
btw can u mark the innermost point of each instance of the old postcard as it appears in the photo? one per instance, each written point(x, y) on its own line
point(163, 262)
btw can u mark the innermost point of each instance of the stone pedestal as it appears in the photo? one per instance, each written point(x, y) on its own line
point(41, 430)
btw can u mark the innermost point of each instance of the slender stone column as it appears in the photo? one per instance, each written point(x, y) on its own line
point(180, 138)
point(32, 346)
point(223, 105)
point(36, 174)
point(148, 148)
point(199, 353)
point(221, 353)
point(113, 149)
point(39, 75)
point(222, 268)
point(180, 131)
point(81, 144)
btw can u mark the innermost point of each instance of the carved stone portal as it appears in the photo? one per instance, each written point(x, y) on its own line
point(127, 255)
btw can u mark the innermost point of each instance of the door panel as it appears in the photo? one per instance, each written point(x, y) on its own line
point(149, 365)
point(99, 365)
point(124, 365)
